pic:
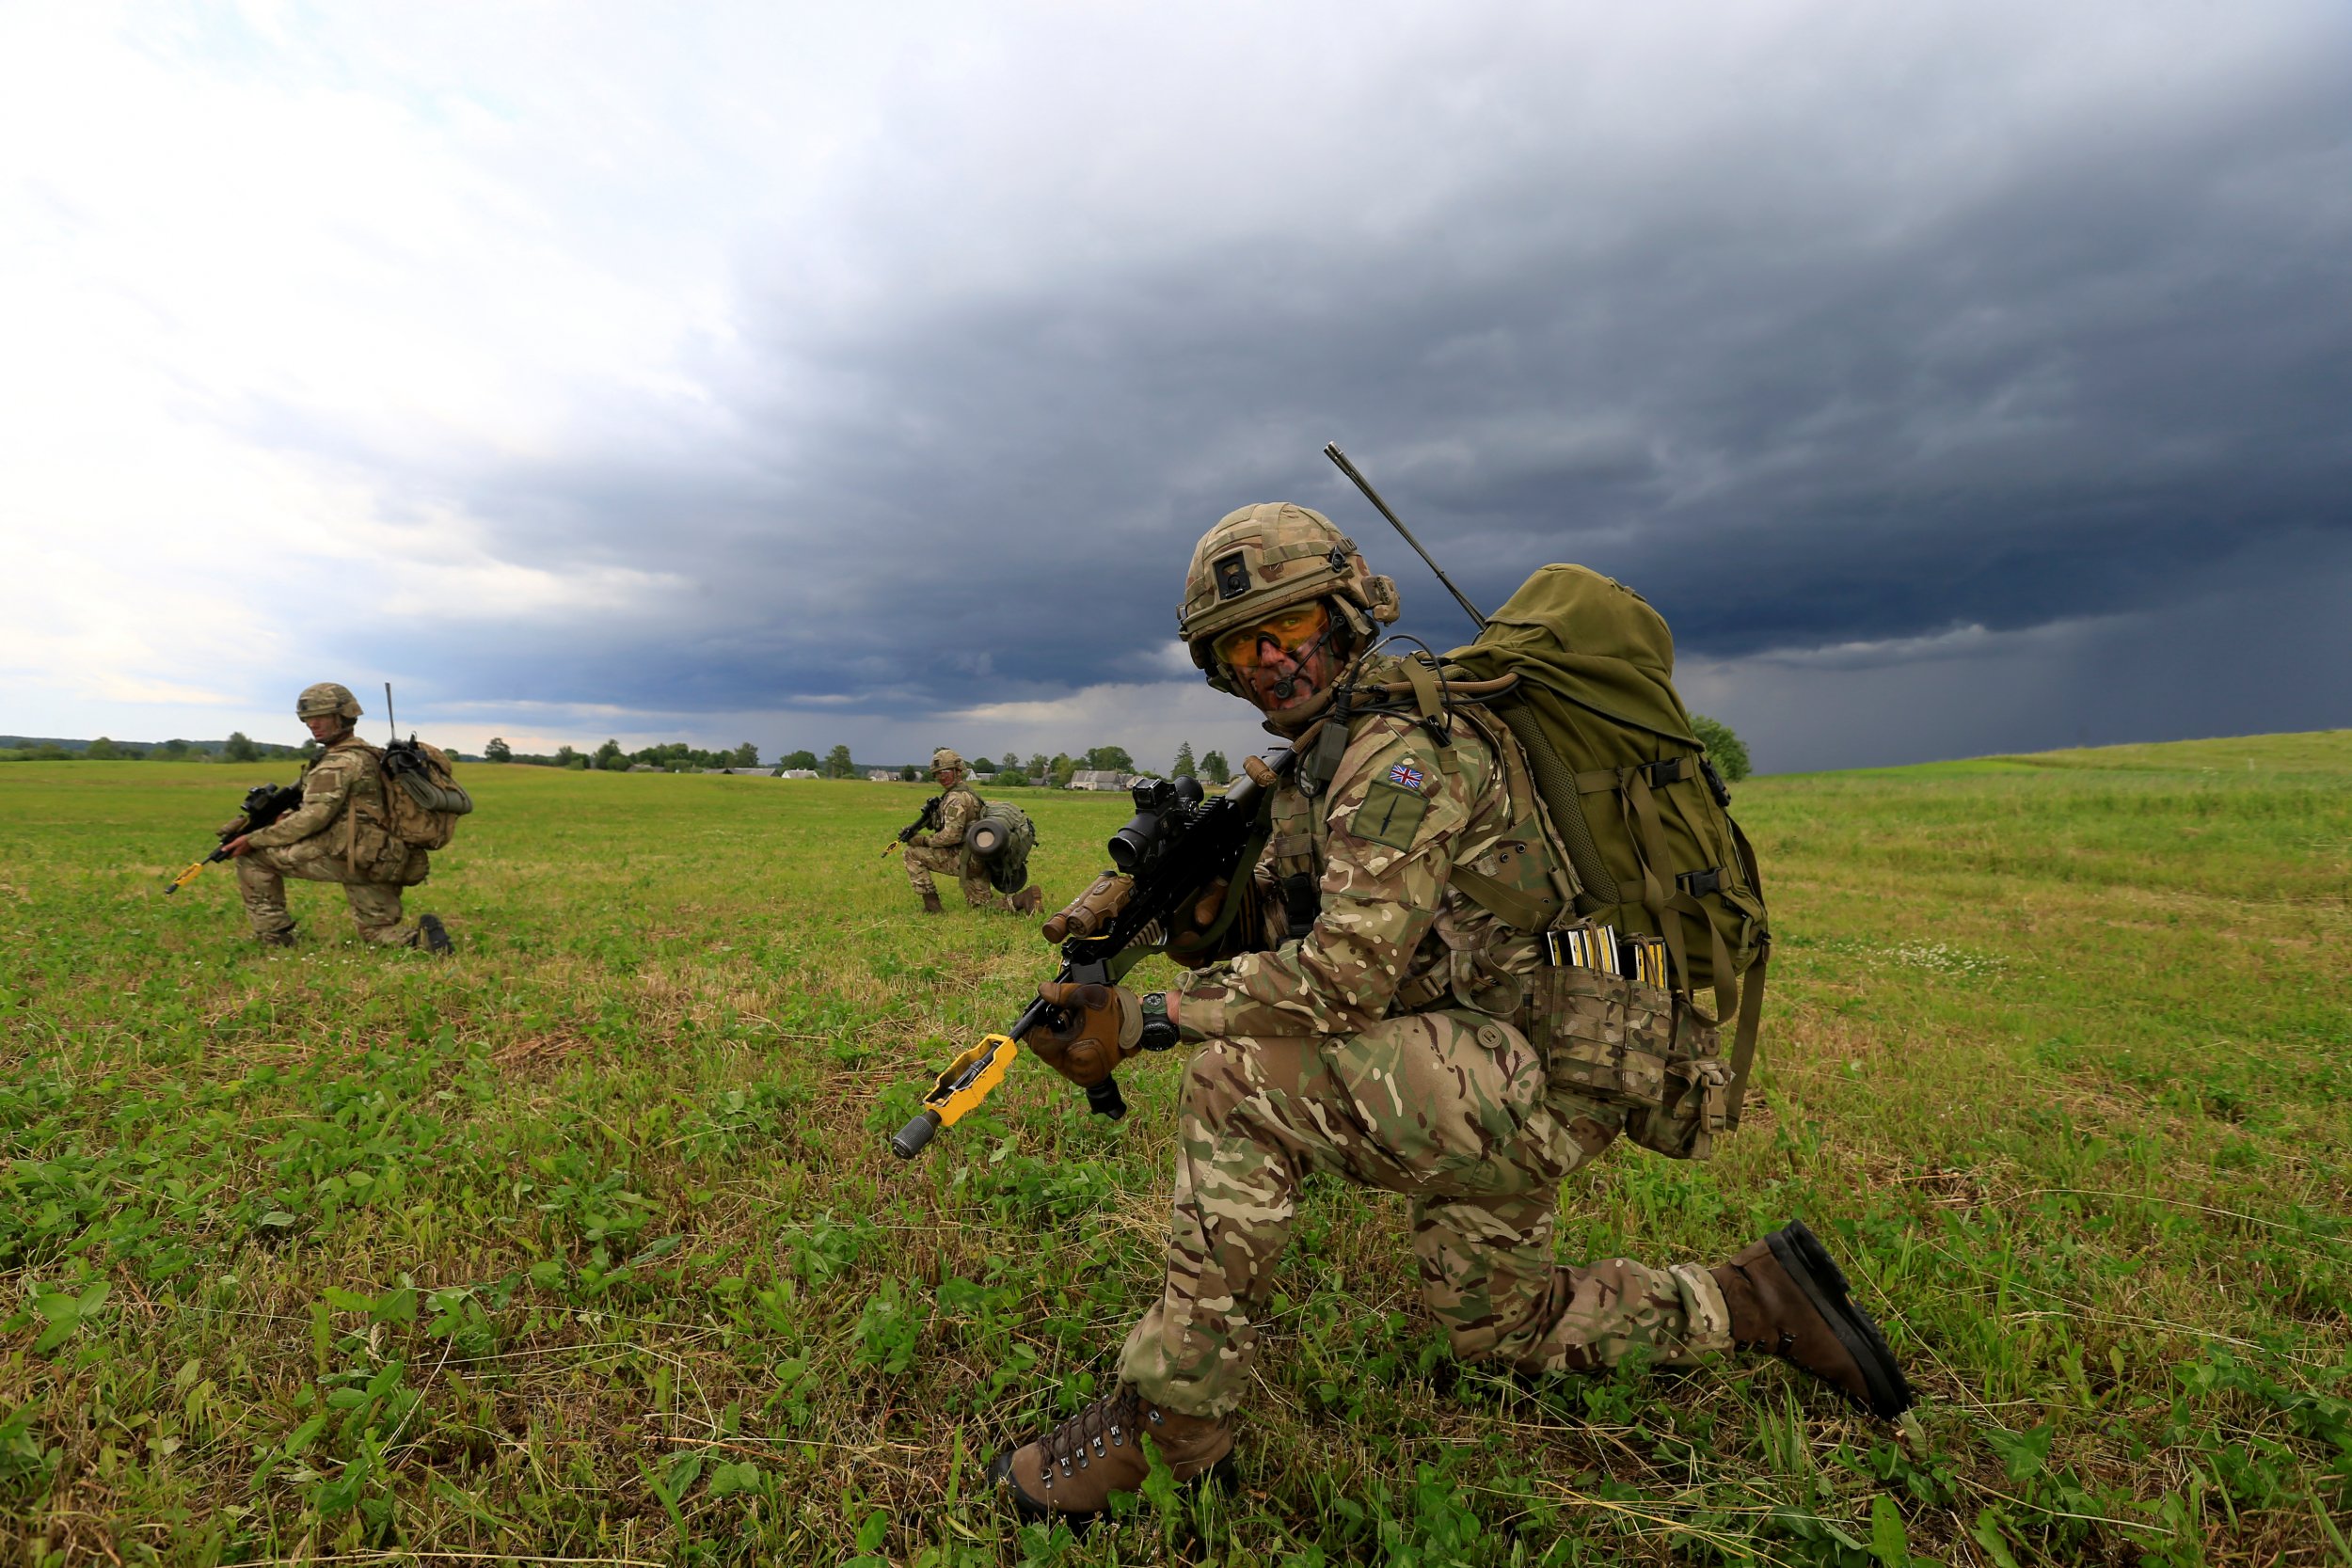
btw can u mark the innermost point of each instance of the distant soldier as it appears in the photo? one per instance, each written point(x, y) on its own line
point(342, 833)
point(943, 849)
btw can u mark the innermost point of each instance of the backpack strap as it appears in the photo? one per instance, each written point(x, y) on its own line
point(351, 814)
point(1751, 990)
point(1650, 845)
point(1514, 907)
point(1317, 767)
point(1430, 706)
point(1522, 912)
point(1743, 1038)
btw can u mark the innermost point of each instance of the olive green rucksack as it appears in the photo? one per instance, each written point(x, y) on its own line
point(1000, 838)
point(423, 797)
point(1629, 789)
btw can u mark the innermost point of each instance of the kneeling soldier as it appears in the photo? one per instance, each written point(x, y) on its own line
point(342, 833)
point(943, 849)
point(1338, 1043)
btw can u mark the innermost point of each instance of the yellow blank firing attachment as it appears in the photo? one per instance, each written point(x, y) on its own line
point(970, 1078)
point(185, 878)
point(967, 1081)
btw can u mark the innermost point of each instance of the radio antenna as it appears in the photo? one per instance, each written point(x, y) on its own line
point(1331, 450)
point(394, 723)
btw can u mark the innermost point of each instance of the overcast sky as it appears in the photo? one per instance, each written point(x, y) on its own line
point(1955, 378)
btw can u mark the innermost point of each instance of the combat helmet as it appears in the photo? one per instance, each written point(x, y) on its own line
point(946, 758)
point(327, 697)
point(1267, 557)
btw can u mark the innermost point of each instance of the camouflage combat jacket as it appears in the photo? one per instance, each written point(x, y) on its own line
point(343, 810)
point(1379, 896)
point(959, 808)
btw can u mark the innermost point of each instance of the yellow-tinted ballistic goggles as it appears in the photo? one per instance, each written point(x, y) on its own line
point(1278, 636)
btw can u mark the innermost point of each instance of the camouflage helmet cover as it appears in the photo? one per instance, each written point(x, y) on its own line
point(944, 758)
point(1265, 558)
point(327, 697)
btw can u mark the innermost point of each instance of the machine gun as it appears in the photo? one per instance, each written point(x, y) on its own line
point(927, 817)
point(264, 804)
point(1177, 846)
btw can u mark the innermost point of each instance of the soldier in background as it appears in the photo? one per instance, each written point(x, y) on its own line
point(342, 833)
point(941, 848)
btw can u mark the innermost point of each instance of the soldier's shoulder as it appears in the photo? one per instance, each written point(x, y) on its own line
point(1393, 761)
point(1382, 743)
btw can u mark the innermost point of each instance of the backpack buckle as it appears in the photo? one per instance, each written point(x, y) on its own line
point(1661, 774)
point(1698, 884)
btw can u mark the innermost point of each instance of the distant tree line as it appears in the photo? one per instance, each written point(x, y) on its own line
point(675, 756)
point(239, 746)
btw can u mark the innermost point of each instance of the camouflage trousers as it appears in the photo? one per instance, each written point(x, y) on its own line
point(1451, 1109)
point(969, 874)
point(375, 905)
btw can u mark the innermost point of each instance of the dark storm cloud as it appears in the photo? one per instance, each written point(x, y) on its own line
point(1860, 370)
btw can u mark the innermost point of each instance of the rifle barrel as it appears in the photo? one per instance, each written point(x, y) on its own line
point(1331, 450)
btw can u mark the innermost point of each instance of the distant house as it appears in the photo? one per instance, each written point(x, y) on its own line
point(797, 773)
point(752, 772)
point(882, 775)
point(643, 767)
point(1099, 778)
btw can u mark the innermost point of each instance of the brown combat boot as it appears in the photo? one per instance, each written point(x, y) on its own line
point(932, 904)
point(1072, 1471)
point(1028, 900)
point(1788, 1297)
point(282, 936)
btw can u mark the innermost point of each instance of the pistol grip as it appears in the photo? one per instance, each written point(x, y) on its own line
point(1105, 1099)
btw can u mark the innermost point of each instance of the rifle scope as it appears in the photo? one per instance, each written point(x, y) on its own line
point(1161, 811)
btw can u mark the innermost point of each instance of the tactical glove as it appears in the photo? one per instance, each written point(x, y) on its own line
point(1101, 1027)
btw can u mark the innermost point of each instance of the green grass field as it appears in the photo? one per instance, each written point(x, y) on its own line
point(587, 1245)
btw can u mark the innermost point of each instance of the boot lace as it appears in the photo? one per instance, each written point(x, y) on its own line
point(1108, 1422)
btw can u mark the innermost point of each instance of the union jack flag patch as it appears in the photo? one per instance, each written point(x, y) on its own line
point(1404, 774)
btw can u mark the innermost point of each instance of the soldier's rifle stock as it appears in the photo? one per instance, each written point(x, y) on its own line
point(264, 804)
point(1164, 861)
point(926, 819)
